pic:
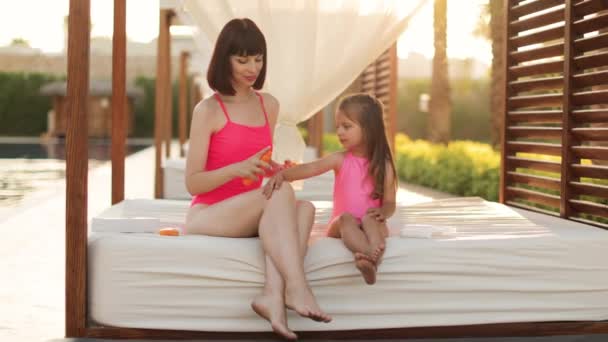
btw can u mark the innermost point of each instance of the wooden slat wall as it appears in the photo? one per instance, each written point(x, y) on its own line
point(556, 112)
point(380, 79)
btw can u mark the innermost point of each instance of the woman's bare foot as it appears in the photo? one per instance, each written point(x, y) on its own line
point(303, 302)
point(378, 253)
point(272, 310)
point(367, 267)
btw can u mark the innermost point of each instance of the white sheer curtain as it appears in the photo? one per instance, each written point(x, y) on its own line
point(315, 48)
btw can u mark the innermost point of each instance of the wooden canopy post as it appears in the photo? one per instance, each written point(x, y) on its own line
point(315, 132)
point(168, 90)
point(163, 65)
point(119, 101)
point(183, 101)
point(77, 168)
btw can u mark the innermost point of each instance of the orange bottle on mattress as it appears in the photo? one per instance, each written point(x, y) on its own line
point(169, 231)
point(266, 157)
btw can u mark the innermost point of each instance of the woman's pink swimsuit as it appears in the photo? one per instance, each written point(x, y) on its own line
point(353, 188)
point(231, 144)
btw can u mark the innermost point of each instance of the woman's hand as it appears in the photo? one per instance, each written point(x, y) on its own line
point(377, 213)
point(273, 184)
point(252, 167)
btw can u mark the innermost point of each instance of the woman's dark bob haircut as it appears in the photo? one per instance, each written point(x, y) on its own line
point(240, 37)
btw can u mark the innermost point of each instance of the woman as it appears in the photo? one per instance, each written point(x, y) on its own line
point(230, 132)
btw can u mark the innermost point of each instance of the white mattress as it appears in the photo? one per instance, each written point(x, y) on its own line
point(497, 267)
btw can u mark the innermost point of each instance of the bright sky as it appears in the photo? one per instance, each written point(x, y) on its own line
point(41, 24)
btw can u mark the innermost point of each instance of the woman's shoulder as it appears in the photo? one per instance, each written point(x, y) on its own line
point(207, 110)
point(269, 100)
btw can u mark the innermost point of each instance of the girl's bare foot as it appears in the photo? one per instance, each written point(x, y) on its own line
point(378, 253)
point(367, 267)
point(302, 301)
point(272, 310)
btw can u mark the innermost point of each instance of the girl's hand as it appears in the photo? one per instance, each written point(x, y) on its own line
point(253, 166)
point(273, 184)
point(377, 213)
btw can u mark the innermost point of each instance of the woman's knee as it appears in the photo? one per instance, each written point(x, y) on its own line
point(306, 207)
point(286, 190)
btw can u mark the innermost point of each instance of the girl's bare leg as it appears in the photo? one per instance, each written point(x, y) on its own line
point(271, 303)
point(348, 228)
point(277, 231)
point(376, 233)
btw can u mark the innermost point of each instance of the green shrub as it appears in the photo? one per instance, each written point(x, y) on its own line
point(23, 111)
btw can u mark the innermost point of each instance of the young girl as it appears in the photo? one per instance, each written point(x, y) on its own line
point(365, 183)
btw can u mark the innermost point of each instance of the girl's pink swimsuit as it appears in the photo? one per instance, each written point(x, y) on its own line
point(231, 144)
point(353, 187)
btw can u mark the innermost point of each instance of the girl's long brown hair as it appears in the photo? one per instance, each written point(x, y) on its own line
point(368, 112)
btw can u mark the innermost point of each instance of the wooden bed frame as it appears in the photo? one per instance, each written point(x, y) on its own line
point(77, 170)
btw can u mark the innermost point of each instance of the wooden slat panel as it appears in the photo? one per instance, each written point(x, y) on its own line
point(384, 65)
point(534, 196)
point(591, 79)
point(587, 7)
point(597, 190)
point(589, 222)
point(539, 181)
point(536, 69)
point(538, 37)
point(595, 60)
point(547, 83)
point(367, 87)
point(591, 24)
point(567, 122)
point(533, 147)
point(544, 19)
point(550, 100)
point(534, 6)
point(552, 50)
point(508, 46)
point(592, 133)
point(590, 171)
point(540, 165)
point(531, 208)
point(591, 43)
point(590, 97)
point(385, 82)
point(369, 77)
point(590, 115)
point(590, 208)
point(534, 132)
point(383, 74)
point(591, 152)
point(536, 116)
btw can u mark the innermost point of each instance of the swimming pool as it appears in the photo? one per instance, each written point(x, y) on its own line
point(28, 167)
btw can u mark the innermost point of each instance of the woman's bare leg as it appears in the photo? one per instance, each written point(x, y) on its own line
point(348, 228)
point(277, 231)
point(271, 303)
point(282, 247)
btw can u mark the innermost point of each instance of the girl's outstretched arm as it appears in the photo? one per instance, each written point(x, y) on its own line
point(389, 199)
point(303, 171)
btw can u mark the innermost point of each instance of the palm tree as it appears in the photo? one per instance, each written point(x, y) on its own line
point(440, 106)
point(490, 26)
